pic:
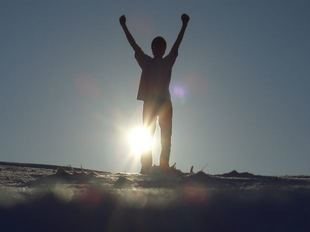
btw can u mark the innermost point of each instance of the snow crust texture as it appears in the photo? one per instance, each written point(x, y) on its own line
point(51, 198)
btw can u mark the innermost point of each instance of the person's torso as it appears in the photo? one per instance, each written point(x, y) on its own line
point(157, 75)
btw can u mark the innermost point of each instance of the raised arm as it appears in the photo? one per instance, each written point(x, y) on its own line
point(176, 45)
point(129, 37)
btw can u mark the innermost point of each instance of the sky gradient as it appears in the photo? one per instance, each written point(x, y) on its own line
point(240, 85)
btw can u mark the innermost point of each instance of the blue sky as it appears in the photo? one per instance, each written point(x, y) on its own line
point(68, 83)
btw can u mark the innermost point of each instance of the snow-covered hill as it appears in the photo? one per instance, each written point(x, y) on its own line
point(36, 197)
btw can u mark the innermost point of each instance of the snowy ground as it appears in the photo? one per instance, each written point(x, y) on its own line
point(49, 198)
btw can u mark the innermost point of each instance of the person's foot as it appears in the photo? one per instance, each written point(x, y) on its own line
point(164, 167)
point(145, 170)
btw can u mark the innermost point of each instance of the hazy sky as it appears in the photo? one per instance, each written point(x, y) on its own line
point(240, 86)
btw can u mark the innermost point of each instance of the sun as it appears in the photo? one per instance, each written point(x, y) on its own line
point(140, 140)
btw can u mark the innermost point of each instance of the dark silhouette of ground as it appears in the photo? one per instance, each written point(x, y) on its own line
point(102, 201)
point(226, 211)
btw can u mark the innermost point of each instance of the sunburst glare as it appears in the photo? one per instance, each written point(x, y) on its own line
point(140, 140)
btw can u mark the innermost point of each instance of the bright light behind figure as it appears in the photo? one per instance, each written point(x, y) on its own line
point(140, 140)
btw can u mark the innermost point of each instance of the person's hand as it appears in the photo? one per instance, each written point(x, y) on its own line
point(122, 20)
point(185, 18)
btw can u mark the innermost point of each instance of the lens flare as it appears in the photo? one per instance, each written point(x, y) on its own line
point(178, 91)
point(140, 140)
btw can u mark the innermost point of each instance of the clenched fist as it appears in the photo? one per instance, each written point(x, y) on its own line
point(122, 20)
point(185, 18)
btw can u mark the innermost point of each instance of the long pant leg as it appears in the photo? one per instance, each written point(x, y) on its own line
point(165, 123)
point(149, 121)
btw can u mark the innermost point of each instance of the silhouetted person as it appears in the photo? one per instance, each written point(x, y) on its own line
point(154, 90)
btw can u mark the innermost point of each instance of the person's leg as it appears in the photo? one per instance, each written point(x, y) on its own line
point(165, 123)
point(149, 121)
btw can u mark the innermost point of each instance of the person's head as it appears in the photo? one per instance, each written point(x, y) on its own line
point(159, 46)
